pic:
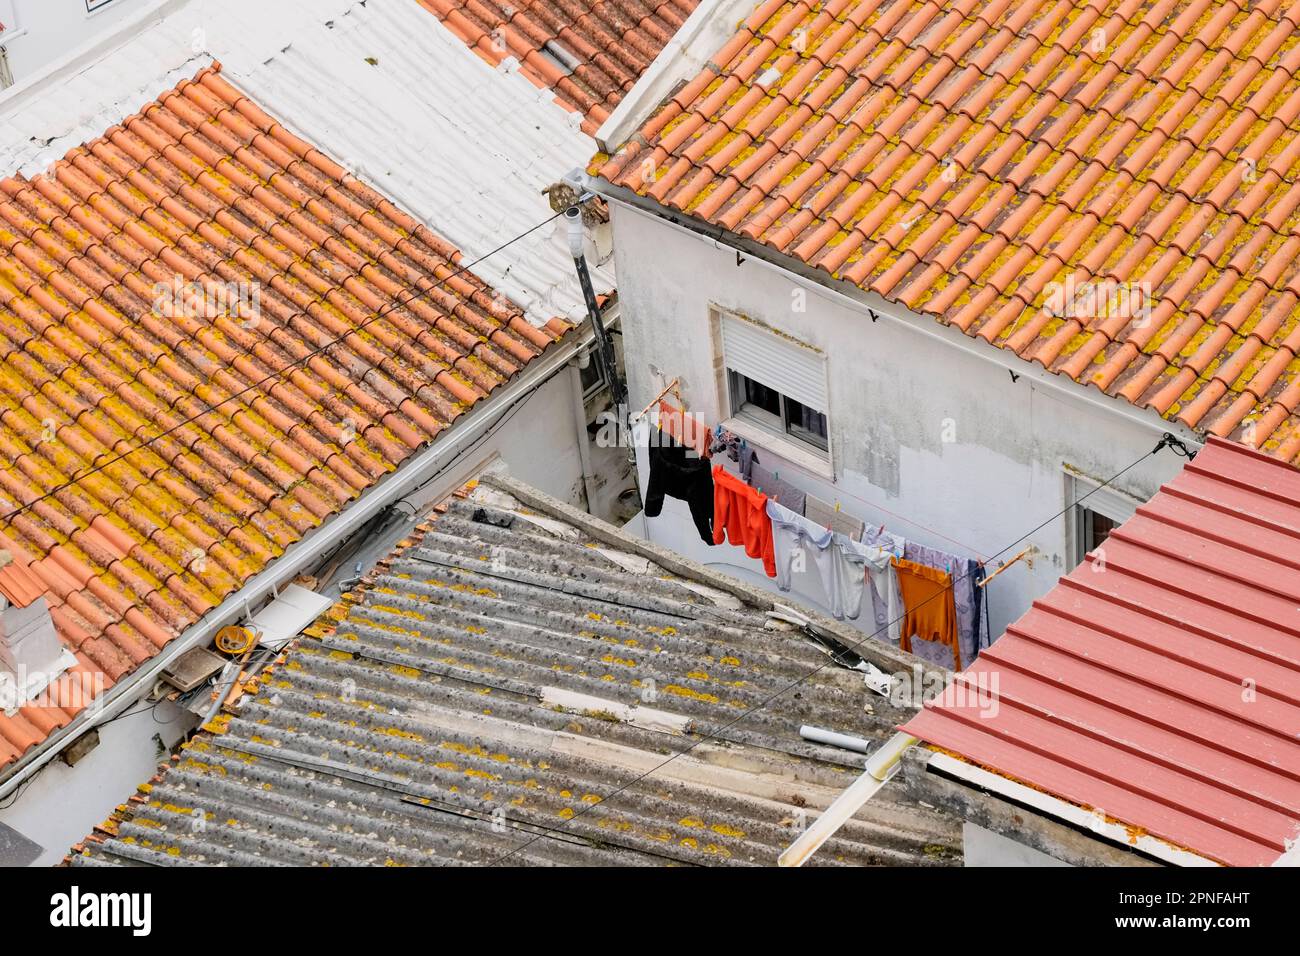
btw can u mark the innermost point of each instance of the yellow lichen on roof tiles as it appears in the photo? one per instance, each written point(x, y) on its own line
point(99, 366)
point(1171, 89)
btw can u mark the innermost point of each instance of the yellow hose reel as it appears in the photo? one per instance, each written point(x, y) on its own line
point(235, 640)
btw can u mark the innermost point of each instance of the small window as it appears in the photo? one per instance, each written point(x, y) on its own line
point(767, 407)
point(775, 382)
point(1095, 512)
point(1094, 528)
point(593, 378)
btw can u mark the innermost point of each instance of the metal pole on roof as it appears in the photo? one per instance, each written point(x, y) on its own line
point(604, 344)
point(881, 766)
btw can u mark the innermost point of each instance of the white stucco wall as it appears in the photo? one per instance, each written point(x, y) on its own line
point(892, 387)
point(538, 442)
point(45, 31)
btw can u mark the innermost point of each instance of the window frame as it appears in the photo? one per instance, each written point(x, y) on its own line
point(1108, 502)
point(600, 383)
point(779, 424)
point(758, 425)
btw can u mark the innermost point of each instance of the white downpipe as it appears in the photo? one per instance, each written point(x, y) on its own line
point(580, 433)
point(881, 766)
point(833, 738)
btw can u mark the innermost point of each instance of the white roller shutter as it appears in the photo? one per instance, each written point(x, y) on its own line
point(794, 370)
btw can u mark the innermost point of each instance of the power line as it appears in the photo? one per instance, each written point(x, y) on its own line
point(1167, 441)
point(64, 486)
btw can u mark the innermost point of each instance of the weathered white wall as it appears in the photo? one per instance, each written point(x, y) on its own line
point(892, 387)
point(981, 847)
point(62, 804)
point(538, 441)
point(45, 31)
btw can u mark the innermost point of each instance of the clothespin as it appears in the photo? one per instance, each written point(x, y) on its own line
point(837, 506)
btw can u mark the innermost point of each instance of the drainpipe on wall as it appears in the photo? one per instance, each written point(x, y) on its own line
point(604, 344)
point(580, 422)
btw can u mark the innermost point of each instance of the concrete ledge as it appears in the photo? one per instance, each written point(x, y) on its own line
point(1021, 824)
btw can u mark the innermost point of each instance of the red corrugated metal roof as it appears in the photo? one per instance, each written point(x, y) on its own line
point(1159, 681)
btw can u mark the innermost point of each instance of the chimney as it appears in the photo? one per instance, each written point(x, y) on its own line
point(31, 654)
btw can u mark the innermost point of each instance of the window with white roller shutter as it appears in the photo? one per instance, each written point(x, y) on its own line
point(775, 382)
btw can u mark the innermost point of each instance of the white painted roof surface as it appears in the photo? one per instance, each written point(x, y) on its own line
point(382, 86)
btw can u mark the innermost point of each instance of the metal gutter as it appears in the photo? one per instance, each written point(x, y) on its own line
point(302, 555)
point(852, 296)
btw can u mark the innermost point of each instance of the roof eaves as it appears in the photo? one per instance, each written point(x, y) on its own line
point(856, 298)
point(1073, 814)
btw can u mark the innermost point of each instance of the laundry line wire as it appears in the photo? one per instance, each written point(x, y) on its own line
point(1166, 441)
point(272, 376)
point(852, 498)
point(978, 555)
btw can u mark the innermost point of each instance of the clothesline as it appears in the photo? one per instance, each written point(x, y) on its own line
point(846, 554)
point(979, 556)
point(869, 505)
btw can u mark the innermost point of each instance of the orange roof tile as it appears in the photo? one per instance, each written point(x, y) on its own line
point(994, 164)
point(296, 407)
point(590, 52)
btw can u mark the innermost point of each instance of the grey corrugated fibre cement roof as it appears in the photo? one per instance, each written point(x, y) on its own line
point(485, 696)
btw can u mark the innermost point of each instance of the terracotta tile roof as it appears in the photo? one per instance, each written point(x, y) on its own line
point(204, 185)
point(1157, 682)
point(451, 690)
point(469, 154)
point(978, 161)
point(590, 52)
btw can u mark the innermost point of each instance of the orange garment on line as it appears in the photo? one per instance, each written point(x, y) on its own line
point(740, 512)
point(685, 428)
point(929, 610)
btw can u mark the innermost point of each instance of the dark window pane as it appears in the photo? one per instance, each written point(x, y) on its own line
point(805, 422)
point(1099, 530)
point(590, 375)
point(759, 395)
